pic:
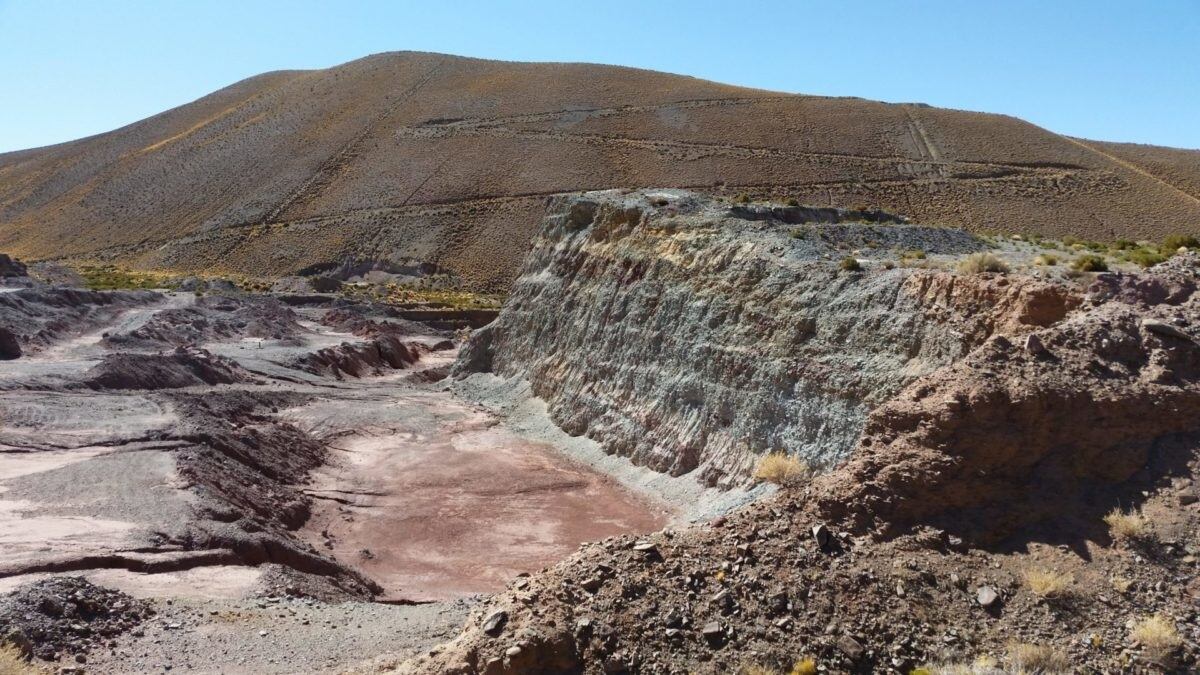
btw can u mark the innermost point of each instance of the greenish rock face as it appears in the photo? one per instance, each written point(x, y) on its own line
point(693, 336)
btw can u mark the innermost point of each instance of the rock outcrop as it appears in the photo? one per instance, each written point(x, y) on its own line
point(12, 268)
point(1019, 433)
point(374, 357)
point(691, 336)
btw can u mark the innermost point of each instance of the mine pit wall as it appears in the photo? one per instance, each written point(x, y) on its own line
point(701, 342)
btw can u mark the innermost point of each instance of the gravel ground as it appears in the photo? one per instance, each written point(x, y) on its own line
point(277, 635)
point(526, 416)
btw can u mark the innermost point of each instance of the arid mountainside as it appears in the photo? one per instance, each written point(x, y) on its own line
point(422, 158)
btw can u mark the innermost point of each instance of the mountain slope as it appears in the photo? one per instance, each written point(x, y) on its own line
point(433, 158)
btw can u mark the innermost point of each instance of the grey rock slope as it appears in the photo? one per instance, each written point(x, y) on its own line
point(691, 336)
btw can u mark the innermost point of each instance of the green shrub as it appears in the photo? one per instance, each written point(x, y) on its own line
point(1175, 242)
point(1090, 263)
point(1145, 257)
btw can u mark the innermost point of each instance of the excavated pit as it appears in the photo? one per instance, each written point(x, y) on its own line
point(220, 447)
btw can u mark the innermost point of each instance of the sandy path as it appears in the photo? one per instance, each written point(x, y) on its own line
point(460, 505)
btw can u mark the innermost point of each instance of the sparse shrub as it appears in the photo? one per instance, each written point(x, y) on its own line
point(1049, 244)
point(12, 662)
point(1030, 658)
point(914, 254)
point(791, 201)
point(1174, 242)
point(1157, 634)
point(1048, 584)
point(1145, 257)
point(1090, 263)
point(1123, 245)
point(1046, 260)
point(978, 263)
point(1122, 584)
point(798, 233)
point(1127, 526)
point(850, 264)
point(742, 198)
point(782, 469)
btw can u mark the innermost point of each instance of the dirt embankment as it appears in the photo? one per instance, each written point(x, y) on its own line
point(228, 460)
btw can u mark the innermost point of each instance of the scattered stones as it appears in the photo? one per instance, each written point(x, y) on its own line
point(1164, 328)
point(987, 597)
point(494, 624)
point(1034, 345)
point(713, 632)
point(68, 614)
point(852, 648)
point(821, 535)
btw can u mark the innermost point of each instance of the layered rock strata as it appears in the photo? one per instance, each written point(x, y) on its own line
point(691, 336)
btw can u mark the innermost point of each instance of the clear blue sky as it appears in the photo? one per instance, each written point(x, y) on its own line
point(1127, 71)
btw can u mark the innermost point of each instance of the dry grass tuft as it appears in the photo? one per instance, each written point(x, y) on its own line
point(1157, 634)
point(1121, 584)
point(1030, 658)
point(804, 667)
point(1046, 260)
point(13, 663)
point(1127, 525)
point(1048, 584)
point(978, 263)
point(984, 665)
point(782, 469)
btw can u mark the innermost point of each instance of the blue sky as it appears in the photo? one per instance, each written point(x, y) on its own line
point(1126, 71)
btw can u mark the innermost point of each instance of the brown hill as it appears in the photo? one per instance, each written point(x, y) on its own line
point(426, 157)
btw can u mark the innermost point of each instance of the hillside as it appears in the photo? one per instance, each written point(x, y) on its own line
point(431, 158)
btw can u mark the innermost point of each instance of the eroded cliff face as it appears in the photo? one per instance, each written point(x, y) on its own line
point(691, 336)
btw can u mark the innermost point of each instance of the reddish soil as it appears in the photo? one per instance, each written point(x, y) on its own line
point(461, 508)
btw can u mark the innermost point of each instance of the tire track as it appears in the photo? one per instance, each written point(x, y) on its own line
point(921, 136)
point(322, 176)
point(711, 149)
point(474, 122)
point(1134, 168)
point(452, 206)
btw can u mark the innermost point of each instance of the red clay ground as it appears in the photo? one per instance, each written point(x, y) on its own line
point(460, 506)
